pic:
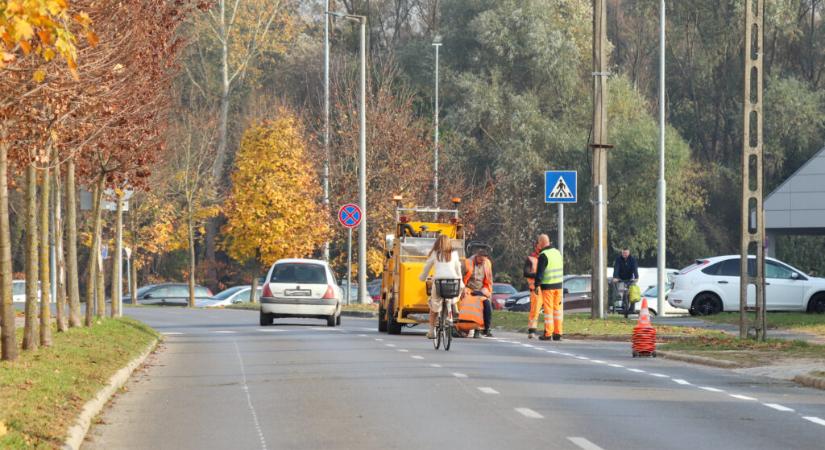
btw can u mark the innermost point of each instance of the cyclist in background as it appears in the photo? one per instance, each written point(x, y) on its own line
point(626, 270)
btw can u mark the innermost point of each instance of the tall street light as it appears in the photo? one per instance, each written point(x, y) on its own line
point(326, 121)
point(662, 191)
point(362, 157)
point(436, 44)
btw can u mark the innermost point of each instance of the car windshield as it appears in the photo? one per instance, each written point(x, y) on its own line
point(223, 295)
point(299, 273)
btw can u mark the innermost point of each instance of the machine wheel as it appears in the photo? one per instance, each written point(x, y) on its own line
point(266, 319)
point(817, 304)
point(707, 304)
point(331, 321)
point(338, 321)
point(393, 327)
point(382, 323)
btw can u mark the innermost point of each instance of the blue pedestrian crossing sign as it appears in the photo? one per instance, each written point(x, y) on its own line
point(560, 186)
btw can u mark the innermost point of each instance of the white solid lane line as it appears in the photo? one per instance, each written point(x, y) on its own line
point(488, 390)
point(527, 412)
point(584, 444)
point(778, 407)
point(815, 420)
point(743, 397)
point(681, 381)
point(710, 389)
point(459, 375)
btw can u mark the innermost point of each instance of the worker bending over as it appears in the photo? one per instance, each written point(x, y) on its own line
point(550, 277)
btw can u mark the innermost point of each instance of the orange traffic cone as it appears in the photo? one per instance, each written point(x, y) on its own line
point(644, 335)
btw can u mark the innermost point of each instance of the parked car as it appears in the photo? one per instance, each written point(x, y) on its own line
point(520, 301)
point(301, 288)
point(711, 285)
point(501, 291)
point(230, 296)
point(353, 292)
point(169, 294)
point(18, 291)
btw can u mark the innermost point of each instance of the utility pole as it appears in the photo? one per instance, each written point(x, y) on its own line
point(599, 160)
point(753, 224)
point(326, 120)
point(436, 44)
point(362, 172)
point(661, 254)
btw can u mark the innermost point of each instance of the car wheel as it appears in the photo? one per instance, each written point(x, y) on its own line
point(707, 304)
point(393, 327)
point(382, 322)
point(817, 304)
point(338, 320)
point(266, 319)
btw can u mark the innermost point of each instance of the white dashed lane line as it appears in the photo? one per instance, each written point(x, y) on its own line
point(378, 339)
point(403, 350)
point(417, 357)
point(815, 420)
point(681, 381)
point(390, 345)
point(459, 375)
point(225, 331)
point(658, 375)
point(710, 389)
point(527, 412)
point(778, 407)
point(636, 370)
point(172, 333)
point(488, 390)
point(583, 443)
point(437, 366)
point(743, 397)
point(270, 330)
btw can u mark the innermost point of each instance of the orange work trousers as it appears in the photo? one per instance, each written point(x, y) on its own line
point(535, 308)
point(553, 311)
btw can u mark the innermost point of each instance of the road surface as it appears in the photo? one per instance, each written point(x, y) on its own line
point(220, 381)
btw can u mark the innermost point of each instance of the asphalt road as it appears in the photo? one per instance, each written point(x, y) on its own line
point(220, 381)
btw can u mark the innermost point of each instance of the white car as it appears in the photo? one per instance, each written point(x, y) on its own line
point(19, 291)
point(709, 286)
point(301, 288)
point(231, 296)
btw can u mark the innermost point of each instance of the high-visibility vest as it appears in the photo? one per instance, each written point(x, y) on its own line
point(554, 272)
point(470, 313)
point(531, 282)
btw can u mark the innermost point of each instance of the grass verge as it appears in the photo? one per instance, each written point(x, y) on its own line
point(43, 392)
point(802, 322)
point(745, 352)
point(581, 325)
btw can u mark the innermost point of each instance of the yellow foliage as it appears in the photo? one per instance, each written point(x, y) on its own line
point(273, 210)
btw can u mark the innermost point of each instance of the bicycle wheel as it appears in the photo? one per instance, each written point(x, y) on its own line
point(448, 332)
point(625, 304)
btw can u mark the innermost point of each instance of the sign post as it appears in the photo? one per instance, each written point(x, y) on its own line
point(350, 217)
point(560, 187)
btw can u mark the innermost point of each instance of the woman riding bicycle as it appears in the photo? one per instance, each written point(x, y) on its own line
point(445, 264)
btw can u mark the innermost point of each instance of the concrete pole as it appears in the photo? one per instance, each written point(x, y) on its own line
point(117, 282)
point(661, 282)
point(326, 120)
point(561, 229)
point(599, 159)
point(435, 119)
point(362, 172)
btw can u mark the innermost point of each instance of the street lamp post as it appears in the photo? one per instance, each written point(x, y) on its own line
point(436, 44)
point(362, 157)
point(326, 121)
point(661, 285)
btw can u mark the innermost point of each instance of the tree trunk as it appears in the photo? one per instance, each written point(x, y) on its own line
point(94, 254)
point(117, 269)
point(191, 231)
point(253, 292)
point(72, 276)
point(133, 286)
point(8, 337)
point(45, 262)
point(30, 335)
point(60, 262)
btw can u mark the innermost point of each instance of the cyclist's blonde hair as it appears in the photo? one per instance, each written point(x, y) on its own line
point(443, 249)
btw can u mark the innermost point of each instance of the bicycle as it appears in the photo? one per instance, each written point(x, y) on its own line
point(624, 288)
point(444, 327)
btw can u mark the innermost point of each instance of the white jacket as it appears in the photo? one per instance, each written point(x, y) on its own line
point(443, 270)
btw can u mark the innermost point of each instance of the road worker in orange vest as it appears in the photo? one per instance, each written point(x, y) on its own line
point(550, 277)
point(478, 277)
point(530, 266)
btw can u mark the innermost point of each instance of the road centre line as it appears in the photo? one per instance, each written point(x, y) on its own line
point(583, 443)
point(710, 389)
point(778, 407)
point(815, 420)
point(743, 397)
point(527, 412)
point(245, 388)
point(488, 390)
point(459, 375)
